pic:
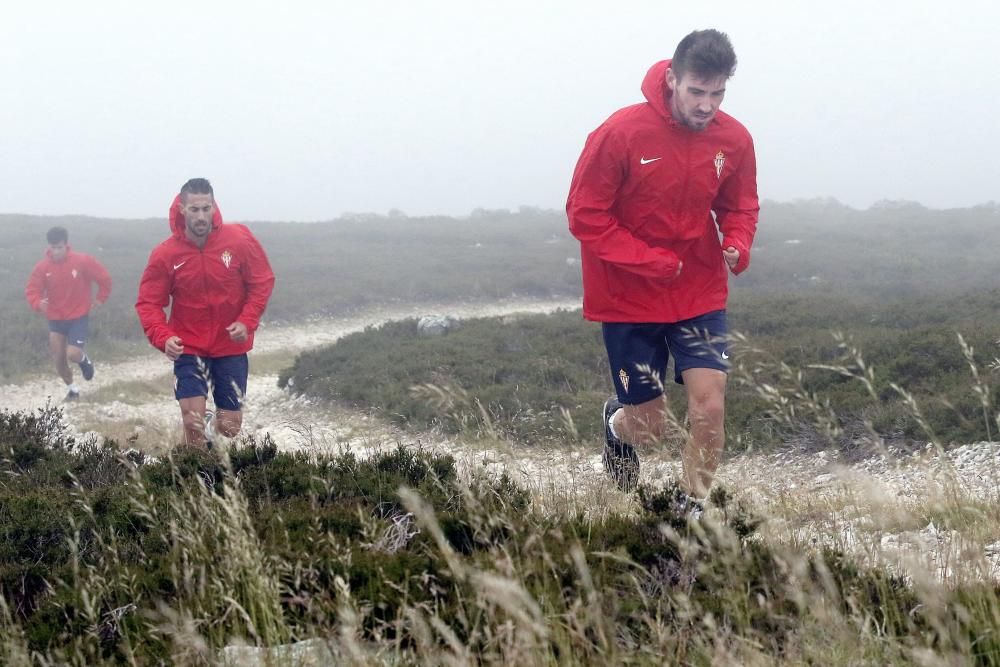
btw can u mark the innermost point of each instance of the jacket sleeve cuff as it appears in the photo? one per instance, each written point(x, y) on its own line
point(160, 342)
point(744, 261)
point(671, 263)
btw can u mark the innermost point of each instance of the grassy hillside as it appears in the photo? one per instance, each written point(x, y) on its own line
point(542, 379)
point(815, 249)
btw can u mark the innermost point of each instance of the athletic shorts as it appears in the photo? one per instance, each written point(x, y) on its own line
point(225, 376)
point(75, 330)
point(638, 353)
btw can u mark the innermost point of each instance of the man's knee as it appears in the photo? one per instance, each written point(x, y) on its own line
point(74, 354)
point(707, 410)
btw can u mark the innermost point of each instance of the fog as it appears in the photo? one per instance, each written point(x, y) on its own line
point(320, 108)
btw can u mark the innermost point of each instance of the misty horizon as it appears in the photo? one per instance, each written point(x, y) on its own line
point(480, 212)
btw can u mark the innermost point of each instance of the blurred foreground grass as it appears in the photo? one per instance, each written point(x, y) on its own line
point(107, 558)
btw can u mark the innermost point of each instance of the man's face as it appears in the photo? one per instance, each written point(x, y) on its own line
point(695, 99)
point(57, 251)
point(197, 211)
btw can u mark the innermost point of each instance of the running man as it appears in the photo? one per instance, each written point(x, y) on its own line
point(217, 281)
point(61, 287)
point(657, 184)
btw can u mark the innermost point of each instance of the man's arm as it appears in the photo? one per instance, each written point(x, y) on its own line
point(737, 209)
point(100, 275)
point(154, 295)
point(34, 291)
point(599, 175)
point(258, 279)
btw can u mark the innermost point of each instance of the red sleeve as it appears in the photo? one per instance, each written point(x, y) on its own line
point(736, 207)
point(259, 280)
point(99, 275)
point(34, 292)
point(154, 296)
point(597, 179)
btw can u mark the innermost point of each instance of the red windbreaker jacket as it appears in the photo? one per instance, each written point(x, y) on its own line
point(67, 285)
point(642, 200)
point(228, 280)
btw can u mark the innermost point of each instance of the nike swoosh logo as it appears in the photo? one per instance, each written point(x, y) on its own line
point(725, 355)
point(643, 160)
point(177, 266)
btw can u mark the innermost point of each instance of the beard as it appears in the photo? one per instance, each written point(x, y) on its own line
point(695, 123)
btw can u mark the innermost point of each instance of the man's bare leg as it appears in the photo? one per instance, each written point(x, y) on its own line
point(193, 418)
point(644, 424)
point(57, 350)
point(706, 393)
point(74, 354)
point(229, 422)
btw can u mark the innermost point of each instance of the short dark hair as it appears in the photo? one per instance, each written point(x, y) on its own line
point(197, 186)
point(706, 53)
point(57, 235)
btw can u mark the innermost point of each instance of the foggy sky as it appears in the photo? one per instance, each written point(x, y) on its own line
point(319, 108)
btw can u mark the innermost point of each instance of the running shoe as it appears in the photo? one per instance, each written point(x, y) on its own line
point(620, 459)
point(688, 507)
point(87, 368)
point(72, 395)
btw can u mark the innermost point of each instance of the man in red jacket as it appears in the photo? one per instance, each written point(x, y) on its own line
point(217, 281)
point(61, 288)
point(656, 186)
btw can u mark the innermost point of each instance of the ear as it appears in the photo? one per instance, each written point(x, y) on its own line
point(671, 80)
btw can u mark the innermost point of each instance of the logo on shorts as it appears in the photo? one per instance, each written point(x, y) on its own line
point(720, 162)
point(74, 273)
point(725, 355)
point(623, 377)
point(226, 258)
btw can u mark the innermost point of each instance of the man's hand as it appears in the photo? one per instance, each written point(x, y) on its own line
point(237, 332)
point(43, 306)
point(732, 256)
point(173, 348)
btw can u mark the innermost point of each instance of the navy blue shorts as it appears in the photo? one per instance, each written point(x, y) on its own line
point(75, 330)
point(638, 353)
point(226, 376)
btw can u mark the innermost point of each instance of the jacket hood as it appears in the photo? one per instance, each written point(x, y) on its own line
point(654, 87)
point(177, 218)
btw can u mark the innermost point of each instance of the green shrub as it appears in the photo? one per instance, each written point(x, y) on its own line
point(541, 379)
point(167, 561)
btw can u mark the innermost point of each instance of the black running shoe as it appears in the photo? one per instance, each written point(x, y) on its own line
point(87, 368)
point(687, 507)
point(620, 459)
point(72, 395)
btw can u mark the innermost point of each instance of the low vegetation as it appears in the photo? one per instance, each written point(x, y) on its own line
point(109, 558)
point(907, 373)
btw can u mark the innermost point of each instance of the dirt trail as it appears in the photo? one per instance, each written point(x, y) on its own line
point(885, 509)
point(286, 340)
